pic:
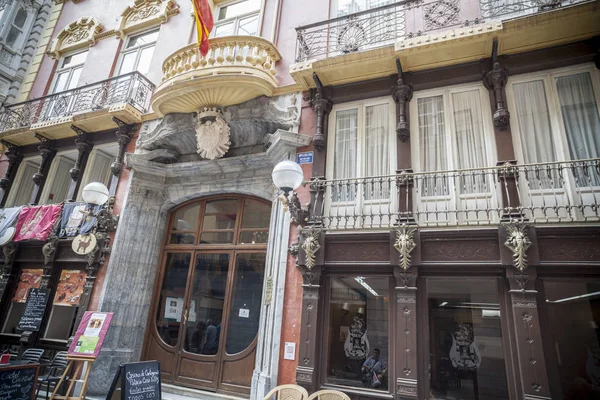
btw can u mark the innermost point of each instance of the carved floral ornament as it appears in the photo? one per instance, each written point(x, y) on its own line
point(145, 13)
point(212, 134)
point(405, 244)
point(518, 242)
point(78, 34)
point(311, 246)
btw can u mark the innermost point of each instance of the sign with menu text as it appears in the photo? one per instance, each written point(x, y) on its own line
point(90, 334)
point(35, 307)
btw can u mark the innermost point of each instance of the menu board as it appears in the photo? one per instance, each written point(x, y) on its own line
point(18, 382)
point(70, 288)
point(90, 334)
point(31, 319)
point(136, 381)
point(30, 278)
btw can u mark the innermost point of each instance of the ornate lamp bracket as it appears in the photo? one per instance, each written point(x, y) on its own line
point(495, 80)
point(322, 106)
point(402, 94)
point(405, 244)
point(518, 242)
point(299, 215)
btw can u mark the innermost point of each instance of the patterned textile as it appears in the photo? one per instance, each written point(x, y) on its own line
point(8, 217)
point(36, 223)
point(74, 221)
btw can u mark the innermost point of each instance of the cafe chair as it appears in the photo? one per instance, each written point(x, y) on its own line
point(32, 355)
point(54, 373)
point(287, 392)
point(328, 395)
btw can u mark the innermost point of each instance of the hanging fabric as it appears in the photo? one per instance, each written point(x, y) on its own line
point(36, 223)
point(8, 217)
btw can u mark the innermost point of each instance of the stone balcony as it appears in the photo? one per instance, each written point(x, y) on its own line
point(427, 34)
point(236, 69)
point(90, 108)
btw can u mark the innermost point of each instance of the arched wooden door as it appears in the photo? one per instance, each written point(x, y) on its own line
point(206, 308)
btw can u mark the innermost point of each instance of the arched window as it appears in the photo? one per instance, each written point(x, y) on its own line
point(208, 298)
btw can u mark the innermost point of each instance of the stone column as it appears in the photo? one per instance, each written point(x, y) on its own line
point(130, 278)
point(264, 377)
point(47, 152)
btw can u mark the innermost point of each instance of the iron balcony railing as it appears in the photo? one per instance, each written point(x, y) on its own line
point(540, 193)
point(132, 88)
point(384, 25)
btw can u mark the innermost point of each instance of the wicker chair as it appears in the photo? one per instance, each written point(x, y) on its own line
point(328, 395)
point(288, 392)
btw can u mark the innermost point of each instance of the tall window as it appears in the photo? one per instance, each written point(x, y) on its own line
point(237, 18)
point(363, 139)
point(138, 52)
point(22, 187)
point(98, 167)
point(59, 179)
point(68, 72)
point(17, 27)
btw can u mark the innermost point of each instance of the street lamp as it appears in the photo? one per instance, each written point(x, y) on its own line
point(96, 194)
point(288, 176)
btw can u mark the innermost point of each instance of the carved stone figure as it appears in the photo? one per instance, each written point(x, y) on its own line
point(518, 242)
point(311, 246)
point(405, 244)
point(212, 135)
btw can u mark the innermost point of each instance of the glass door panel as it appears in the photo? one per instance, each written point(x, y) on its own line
point(204, 309)
point(172, 295)
point(465, 340)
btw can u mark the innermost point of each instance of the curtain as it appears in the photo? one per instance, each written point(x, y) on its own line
point(432, 144)
point(60, 183)
point(345, 159)
point(377, 145)
point(535, 131)
point(97, 170)
point(582, 123)
point(470, 142)
point(24, 187)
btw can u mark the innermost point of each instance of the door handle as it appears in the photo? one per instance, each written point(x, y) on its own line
point(185, 316)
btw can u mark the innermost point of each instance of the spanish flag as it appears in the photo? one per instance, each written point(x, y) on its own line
point(204, 24)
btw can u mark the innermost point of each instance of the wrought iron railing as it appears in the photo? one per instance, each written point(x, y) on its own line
point(132, 88)
point(540, 193)
point(383, 25)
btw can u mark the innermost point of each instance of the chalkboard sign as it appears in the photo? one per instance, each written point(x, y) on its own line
point(31, 320)
point(18, 382)
point(136, 381)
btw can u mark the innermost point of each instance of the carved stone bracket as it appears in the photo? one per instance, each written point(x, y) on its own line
point(322, 106)
point(518, 242)
point(83, 148)
point(405, 244)
point(299, 215)
point(402, 94)
point(495, 80)
point(124, 135)
point(14, 157)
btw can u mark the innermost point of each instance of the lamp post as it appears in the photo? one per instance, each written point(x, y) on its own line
point(96, 194)
point(287, 177)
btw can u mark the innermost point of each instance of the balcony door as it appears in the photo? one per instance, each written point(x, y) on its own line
point(206, 312)
point(66, 78)
point(556, 124)
point(453, 146)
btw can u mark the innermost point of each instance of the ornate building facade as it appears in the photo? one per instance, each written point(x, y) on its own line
point(447, 232)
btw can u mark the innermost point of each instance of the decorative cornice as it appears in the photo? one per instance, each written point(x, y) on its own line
point(145, 13)
point(78, 34)
point(518, 242)
point(405, 244)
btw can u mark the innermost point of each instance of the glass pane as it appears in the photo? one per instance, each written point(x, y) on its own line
point(465, 340)
point(74, 78)
point(581, 120)
point(205, 314)
point(576, 305)
point(358, 325)
point(216, 237)
point(61, 322)
point(224, 29)
point(61, 181)
point(186, 219)
point(220, 214)
point(243, 7)
point(144, 38)
point(170, 306)
point(13, 318)
point(346, 131)
point(145, 58)
point(13, 36)
point(248, 26)
point(74, 59)
point(377, 142)
point(256, 214)
point(61, 82)
point(245, 305)
point(432, 144)
point(254, 237)
point(24, 187)
point(128, 63)
point(20, 18)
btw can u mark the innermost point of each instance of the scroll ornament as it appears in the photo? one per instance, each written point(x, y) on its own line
point(405, 244)
point(518, 242)
point(311, 246)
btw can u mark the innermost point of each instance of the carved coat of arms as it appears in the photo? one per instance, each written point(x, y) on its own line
point(212, 137)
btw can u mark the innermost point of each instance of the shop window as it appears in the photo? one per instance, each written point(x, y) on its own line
point(359, 349)
point(138, 52)
point(572, 309)
point(466, 352)
point(56, 188)
point(237, 18)
point(22, 187)
point(29, 277)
